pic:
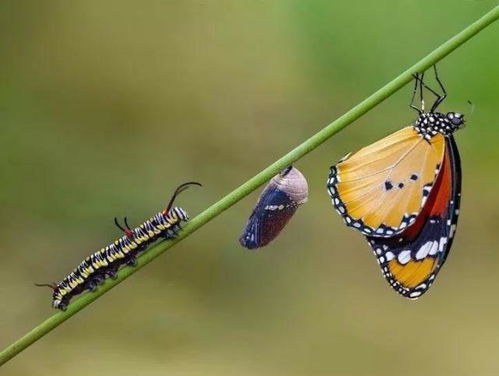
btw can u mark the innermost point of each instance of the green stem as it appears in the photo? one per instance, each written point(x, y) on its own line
point(255, 182)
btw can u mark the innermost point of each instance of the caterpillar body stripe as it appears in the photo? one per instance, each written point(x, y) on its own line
point(124, 251)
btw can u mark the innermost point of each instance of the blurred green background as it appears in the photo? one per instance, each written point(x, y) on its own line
point(106, 106)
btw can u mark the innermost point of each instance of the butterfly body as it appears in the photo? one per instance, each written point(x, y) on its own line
point(431, 124)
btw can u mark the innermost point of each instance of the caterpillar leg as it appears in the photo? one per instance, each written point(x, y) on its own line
point(172, 232)
point(91, 286)
point(98, 279)
point(141, 248)
point(132, 261)
point(111, 272)
point(62, 306)
point(168, 235)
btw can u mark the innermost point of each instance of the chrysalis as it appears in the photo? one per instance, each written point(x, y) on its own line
point(274, 208)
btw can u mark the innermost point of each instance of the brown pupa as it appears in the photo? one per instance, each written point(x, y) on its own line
point(275, 207)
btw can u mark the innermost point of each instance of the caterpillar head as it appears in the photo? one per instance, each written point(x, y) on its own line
point(57, 295)
point(58, 299)
point(58, 304)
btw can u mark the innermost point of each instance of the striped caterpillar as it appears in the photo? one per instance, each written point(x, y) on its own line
point(124, 251)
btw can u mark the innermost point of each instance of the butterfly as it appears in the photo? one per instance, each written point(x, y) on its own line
point(403, 194)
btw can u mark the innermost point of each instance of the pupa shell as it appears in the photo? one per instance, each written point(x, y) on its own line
point(275, 207)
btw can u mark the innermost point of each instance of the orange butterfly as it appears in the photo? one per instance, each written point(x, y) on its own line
point(403, 193)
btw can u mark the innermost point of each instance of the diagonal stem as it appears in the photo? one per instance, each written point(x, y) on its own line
point(256, 181)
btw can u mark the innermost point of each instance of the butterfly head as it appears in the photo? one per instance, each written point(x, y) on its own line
point(456, 119)
point(431, 123)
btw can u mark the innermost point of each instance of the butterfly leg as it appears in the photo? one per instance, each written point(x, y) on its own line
point(440, 98)
point(416, 82)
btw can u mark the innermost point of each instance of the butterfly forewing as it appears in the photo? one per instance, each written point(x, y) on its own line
point(382, 188)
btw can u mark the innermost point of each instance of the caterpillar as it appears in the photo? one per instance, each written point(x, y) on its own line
point(124, 251)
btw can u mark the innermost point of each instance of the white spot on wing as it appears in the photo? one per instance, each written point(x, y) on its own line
point(389, 256)
point(434, 248)
point(424, 250)
point(404, 257)
point(415, 294)
point(451, 232)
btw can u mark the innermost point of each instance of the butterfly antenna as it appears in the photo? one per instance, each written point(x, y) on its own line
point(179, 190)
point(472, 106)
point(416, 84)
point(440, 98)
point(421, 84)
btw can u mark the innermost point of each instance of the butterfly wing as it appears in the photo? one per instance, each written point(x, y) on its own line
point(381, 189)
point(411, 260)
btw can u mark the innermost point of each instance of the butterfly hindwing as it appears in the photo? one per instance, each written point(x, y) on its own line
point(381, 189)
point(411, 260)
